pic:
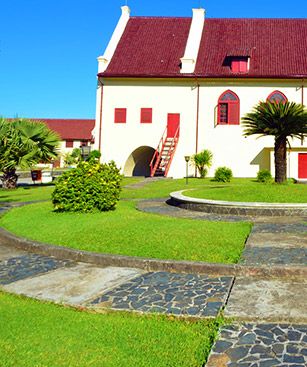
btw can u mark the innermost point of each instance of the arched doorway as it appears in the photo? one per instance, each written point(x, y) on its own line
point(138, 162)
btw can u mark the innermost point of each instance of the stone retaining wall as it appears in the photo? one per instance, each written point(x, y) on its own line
point(237, 208)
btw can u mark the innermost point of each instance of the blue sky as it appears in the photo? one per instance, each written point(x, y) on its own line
point(48, 48)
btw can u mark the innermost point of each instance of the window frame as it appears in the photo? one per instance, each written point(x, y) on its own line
point(69, 143)
point(285, 99)
point(233, 108)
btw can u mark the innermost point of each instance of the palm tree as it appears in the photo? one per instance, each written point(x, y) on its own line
point(24, 143)
point(282, 120)
point(202, 161)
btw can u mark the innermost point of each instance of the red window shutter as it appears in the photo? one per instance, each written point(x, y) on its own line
point(235, 66)
point(233, 113)
point(146, 115)
point(239, 65)
point(120, 115)
point(69, 144)
point(243, 66)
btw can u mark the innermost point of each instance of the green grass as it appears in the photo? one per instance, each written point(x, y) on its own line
point(127, 231)
point(251, 191)
point(45, 335)
point(26, 193)
point(43, 192)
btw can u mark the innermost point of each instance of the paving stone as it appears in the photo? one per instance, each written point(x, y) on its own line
point(280, 240)
point(270, 300)
point(151, 290)
point(227, 351)
point(74, 285)
point(274, 256)
point(28, 265)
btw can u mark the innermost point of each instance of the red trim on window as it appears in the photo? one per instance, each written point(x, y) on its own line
point(146, 115)
point(228, 109)
point(120, 115)
point(69, 143)
point(277, 96)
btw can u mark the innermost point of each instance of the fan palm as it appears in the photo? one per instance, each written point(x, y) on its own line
point(281, 120)
point(202, 161)
point(24, 143)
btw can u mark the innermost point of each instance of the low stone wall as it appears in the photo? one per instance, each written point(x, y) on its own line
point(64, 253)
point(237, 208)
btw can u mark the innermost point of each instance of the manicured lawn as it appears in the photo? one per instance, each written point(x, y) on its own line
point(39, 334)
point(26, 193)
point(127, 231)
point(41, 192)
point(252, 191)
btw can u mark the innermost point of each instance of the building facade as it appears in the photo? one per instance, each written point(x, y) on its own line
point(169, 87)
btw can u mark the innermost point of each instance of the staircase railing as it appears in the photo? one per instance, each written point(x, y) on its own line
point(157, 155)
point(172, 151)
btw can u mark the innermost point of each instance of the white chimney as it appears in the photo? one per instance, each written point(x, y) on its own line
point(188, 61)
point(103, 61)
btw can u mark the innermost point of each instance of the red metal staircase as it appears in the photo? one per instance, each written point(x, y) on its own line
point(163, 156)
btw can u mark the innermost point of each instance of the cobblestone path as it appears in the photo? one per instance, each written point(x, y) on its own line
point(170, 293)
point(260, 345)
point(277, 244)
point(73, 283)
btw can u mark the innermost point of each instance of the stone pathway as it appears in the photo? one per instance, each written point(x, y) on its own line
point(260, 345)
point(67, 282)
point(277, 244)
point(170, 293)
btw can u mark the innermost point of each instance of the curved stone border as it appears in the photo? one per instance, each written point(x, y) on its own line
point(236, 207)
point(148, 264)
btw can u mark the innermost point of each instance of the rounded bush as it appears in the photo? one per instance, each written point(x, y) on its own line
point(223, 174)
point(264, 176)
point(88, 187)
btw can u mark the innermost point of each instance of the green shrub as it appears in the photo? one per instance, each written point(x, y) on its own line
point(223, 174)
point(264, 176)
point(94, 155)
point(90, 186)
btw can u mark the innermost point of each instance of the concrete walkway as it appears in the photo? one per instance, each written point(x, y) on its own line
point(270, 319)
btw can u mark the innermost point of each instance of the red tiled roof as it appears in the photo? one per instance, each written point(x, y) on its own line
point(150, 45)
point(71, 129)
point(153, 47)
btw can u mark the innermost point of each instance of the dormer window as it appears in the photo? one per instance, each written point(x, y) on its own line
point(239, 65)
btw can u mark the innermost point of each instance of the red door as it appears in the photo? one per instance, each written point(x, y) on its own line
point(302, 165)
point(173, 121)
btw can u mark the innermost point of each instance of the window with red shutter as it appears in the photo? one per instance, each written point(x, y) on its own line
point(146, 115)
point(277, 97)
point(120, 115)
point(69, 144)
point(239, 65)
point(228, 109)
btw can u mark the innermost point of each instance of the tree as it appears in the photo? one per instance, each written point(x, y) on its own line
point(24, 143)
point(282, 120)
point(202, 161)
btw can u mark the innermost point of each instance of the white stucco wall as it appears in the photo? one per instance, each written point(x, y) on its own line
point(243, 155)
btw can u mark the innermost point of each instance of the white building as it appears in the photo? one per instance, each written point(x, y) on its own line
point(184, 83)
